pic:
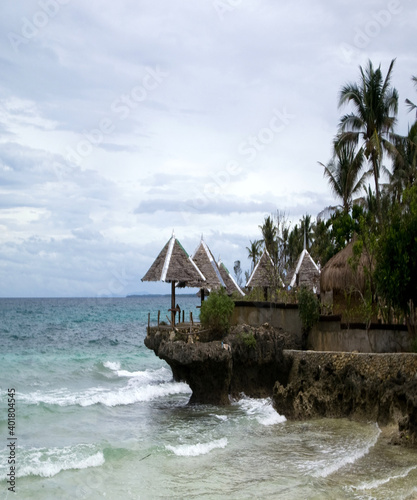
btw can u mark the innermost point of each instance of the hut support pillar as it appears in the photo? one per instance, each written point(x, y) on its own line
point(173, 303)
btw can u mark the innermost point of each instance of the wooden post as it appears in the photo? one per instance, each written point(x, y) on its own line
point(191, 318)
point(159, 315)
point(173, 302)
point(149, 321)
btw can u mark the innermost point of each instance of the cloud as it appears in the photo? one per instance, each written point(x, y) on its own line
point(100, 160)
point(204, 205)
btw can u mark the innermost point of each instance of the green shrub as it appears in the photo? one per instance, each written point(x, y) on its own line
point(216, 312)
point(249, 340)
point(308, 308)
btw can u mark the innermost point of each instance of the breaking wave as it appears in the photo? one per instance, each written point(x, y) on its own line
point(194, 450)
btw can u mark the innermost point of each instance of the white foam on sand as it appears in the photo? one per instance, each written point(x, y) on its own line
point(194, 450)
point(262, 410)
point(348, 456)
point(379, 482)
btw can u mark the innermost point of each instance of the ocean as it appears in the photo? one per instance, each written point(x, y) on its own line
point(95, 414)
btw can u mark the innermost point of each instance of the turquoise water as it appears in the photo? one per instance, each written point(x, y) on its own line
point(99, 416)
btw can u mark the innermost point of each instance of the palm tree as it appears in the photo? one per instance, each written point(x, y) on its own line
point(375, 105)
point(410, 104)
point(404, 155)
point(306, 229)
point(269, 233)
point(295, 245)
point(254, 252)
point(343, 173)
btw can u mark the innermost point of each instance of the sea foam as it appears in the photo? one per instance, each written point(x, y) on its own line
point(347, 456)
point(379, 482)
point(194, 450)
point(132, 393)
point(46, 462)
point(261, 410)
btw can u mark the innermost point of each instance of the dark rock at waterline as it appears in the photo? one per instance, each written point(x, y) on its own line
point(248, 360)
point(258, 360)
point(377, 387)
point(264, 361)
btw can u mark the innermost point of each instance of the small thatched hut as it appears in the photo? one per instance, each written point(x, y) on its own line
point(208, 266)
point(264, 274)
point(174, 265)
point(306, 273)
point(231, 285)
point(343, 281)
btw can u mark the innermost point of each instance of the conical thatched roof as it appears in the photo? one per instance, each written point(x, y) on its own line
point(263, 273)
point(338, 273)
point(306, 272)
point(231, 285)
point(174, 264)
point(208, 267)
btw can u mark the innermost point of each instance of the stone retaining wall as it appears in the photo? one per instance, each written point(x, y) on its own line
point(363, 386)
point(379, 366)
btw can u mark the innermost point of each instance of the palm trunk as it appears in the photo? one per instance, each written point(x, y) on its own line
point(375, 168)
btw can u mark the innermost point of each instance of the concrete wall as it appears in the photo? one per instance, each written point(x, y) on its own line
point(329, 334)
point(283, 316)
point(341, 338)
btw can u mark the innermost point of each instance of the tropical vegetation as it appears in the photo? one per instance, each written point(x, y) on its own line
point(382, 218)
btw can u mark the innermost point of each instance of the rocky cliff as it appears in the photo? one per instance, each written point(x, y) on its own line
point(248, 360)
point(377, 387)
point(266, 361)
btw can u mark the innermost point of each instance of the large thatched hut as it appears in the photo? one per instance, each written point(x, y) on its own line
point(343, 282)
point(306, 273)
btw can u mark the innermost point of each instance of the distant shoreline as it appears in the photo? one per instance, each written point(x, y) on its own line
point(130, 296)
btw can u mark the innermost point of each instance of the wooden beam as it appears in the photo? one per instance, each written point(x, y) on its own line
point(173, 302)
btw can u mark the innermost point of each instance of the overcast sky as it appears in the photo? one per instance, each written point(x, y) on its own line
point(123, 121)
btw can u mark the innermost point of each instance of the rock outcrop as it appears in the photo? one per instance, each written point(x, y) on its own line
point(377, 387)
point(248, 360)
point(266, 361)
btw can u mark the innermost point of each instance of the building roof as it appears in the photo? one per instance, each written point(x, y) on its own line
point(338, 274)
point(205, 262)
point(306, 272)
point(231, 285)
point(263, 274)
point(174, 264)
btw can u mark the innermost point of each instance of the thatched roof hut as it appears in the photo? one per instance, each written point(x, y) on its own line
point(339, 275)
point(263, 275)
point(342, 285)
point(306, 273)
point(173, 264)
point(205, 262)
point(231, 285)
